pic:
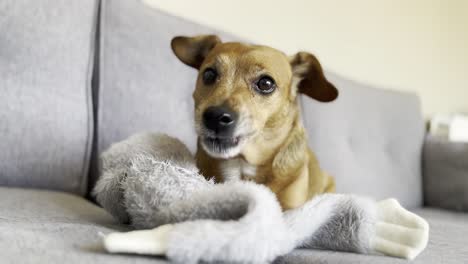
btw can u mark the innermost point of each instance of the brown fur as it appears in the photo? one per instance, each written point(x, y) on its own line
point(275, 141)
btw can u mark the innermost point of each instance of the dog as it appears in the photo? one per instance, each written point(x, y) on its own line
point(247, 117)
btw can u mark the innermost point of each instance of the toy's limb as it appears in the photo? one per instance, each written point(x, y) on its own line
point(109, 194)
point(356, 224)
point(240, 222)
point(333, 221)
point(137, 177)
point(150, 242)
point(399, 232)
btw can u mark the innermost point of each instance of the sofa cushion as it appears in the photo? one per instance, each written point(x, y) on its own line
point(370, 140)
point(447, 244)
point(47, 227)
point(46, 51)
point(143, 86)
point(50, 227)
point(445, 174)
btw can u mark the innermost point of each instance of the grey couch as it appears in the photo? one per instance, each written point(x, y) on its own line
point(76, 76)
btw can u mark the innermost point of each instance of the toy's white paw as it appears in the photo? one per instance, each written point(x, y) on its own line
point(399, 232)
point(151, 242)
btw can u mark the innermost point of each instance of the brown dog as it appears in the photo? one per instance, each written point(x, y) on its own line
point(247, 116)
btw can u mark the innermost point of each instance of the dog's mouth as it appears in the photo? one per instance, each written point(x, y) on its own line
point(226, 142)
point(222, 147)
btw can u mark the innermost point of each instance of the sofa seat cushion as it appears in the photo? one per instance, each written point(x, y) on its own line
point(47, 227)
point(51, 227)
point(447, 244)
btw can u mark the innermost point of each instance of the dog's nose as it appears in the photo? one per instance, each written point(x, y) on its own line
point(220, 120)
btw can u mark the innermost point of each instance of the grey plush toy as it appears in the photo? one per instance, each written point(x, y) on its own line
point(151, 182)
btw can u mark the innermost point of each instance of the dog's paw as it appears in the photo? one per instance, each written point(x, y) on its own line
point(149, 242)
point(399, 232)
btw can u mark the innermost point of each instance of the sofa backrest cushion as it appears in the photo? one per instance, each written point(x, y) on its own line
point(143, 86)
point(46, 56)
point(445, 173)
point(370, 140)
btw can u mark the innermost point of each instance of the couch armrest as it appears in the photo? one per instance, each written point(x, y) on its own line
point(445, 174)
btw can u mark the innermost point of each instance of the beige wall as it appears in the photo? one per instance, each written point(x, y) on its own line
point(412, 45)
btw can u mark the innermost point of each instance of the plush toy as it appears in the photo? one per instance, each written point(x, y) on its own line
point(151, 182)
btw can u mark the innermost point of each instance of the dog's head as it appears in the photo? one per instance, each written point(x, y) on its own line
point(243, 90)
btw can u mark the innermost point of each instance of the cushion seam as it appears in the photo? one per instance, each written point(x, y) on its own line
point(102, 73)
point(84, 171)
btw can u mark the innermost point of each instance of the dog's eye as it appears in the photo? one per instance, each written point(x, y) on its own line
point(209, 76)
point(265, 85)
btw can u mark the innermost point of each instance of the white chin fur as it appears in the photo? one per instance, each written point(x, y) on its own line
point(225, 154)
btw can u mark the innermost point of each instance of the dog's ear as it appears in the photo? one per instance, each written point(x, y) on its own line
point(310, 79)
point(193, 50)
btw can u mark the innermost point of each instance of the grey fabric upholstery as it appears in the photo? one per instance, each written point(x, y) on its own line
point(46, 54)
point(445, 174)
point(142, 86)
point(370, 140)
point(54, 227)
point(447, 244)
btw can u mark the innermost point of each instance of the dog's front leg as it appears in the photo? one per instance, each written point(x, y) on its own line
point(289, 179)
point(291, 190)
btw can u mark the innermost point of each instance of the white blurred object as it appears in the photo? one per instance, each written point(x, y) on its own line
point(459, 129)
point(453, 127)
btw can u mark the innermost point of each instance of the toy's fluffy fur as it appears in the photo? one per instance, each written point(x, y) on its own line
point(150, 180)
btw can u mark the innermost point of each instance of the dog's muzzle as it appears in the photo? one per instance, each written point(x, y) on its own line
point(219, 120)
point(220, 125)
